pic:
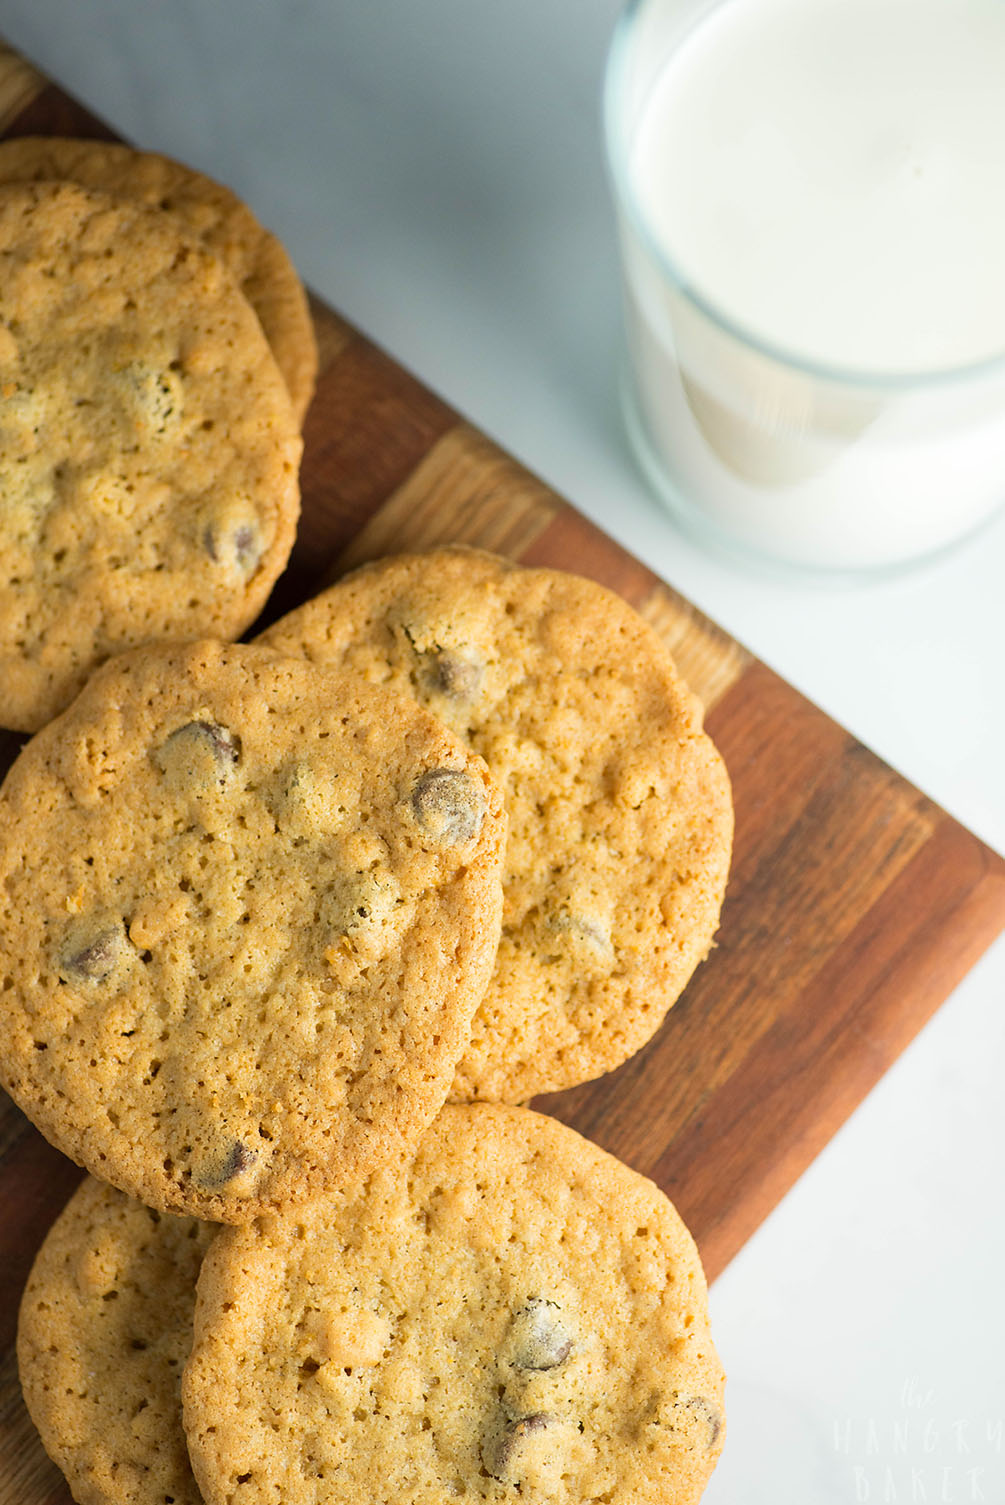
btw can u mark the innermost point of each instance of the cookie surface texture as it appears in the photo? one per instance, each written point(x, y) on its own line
point(619, 805)
point(148, 450)
point(207, 210)
point(247, 907)
point(517, 1316)
point(104, 1332)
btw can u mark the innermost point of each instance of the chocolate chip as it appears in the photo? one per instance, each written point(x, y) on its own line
point(581, 928)
point(451, 674)
point(246, 547)
point(688, 1415)
point(444, 671)
point(238, 547)
point(582, 939)
point(707, 1412)
point(538, 1338)
point(239, 1160)
point(228, 1161)
point(200, 753)
point(506, 1451)
point(448, 805)
point(92, 956)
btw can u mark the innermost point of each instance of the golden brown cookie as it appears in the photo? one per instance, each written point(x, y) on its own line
point(619, 805)
point(104, 1330)
point(247, 908)
point(517, 1316)
point(205, 209)
point(148, 452)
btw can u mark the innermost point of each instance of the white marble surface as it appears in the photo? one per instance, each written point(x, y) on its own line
point(436, 171)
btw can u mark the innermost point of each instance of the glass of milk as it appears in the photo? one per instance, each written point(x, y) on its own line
point(811, 200)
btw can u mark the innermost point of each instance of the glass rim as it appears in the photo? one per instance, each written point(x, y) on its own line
point(615, 141)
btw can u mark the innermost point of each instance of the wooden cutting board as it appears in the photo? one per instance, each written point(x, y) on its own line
point(854, 907)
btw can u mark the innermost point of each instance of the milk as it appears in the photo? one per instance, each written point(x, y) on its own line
point(813, 206)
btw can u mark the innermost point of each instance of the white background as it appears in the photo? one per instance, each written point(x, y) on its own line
point(435, 167)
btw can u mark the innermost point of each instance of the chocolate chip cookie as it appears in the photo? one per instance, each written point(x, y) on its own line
point(104, 1330)
point(619, 805)
point(516, 1316)
point(205, 209)
point(148, 450)
point(247, 908)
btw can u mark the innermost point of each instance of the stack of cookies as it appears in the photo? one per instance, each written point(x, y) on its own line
point(290, 929)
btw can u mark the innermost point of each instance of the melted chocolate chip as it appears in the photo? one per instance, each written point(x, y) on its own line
point(225, 1165)
point(239, 1160)
point(452, 675)
point(94, 957)
point(708, 1413)
point(539, 1338)
point(246, 547)
point(238, 547)
point(581, 928)
point(199, 753)
point(506, 1453)
point(448, 805)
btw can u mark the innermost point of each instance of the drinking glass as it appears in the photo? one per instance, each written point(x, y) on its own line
point(752, 446)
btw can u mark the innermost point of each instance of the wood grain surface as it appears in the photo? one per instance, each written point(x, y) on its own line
point(854, 906)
